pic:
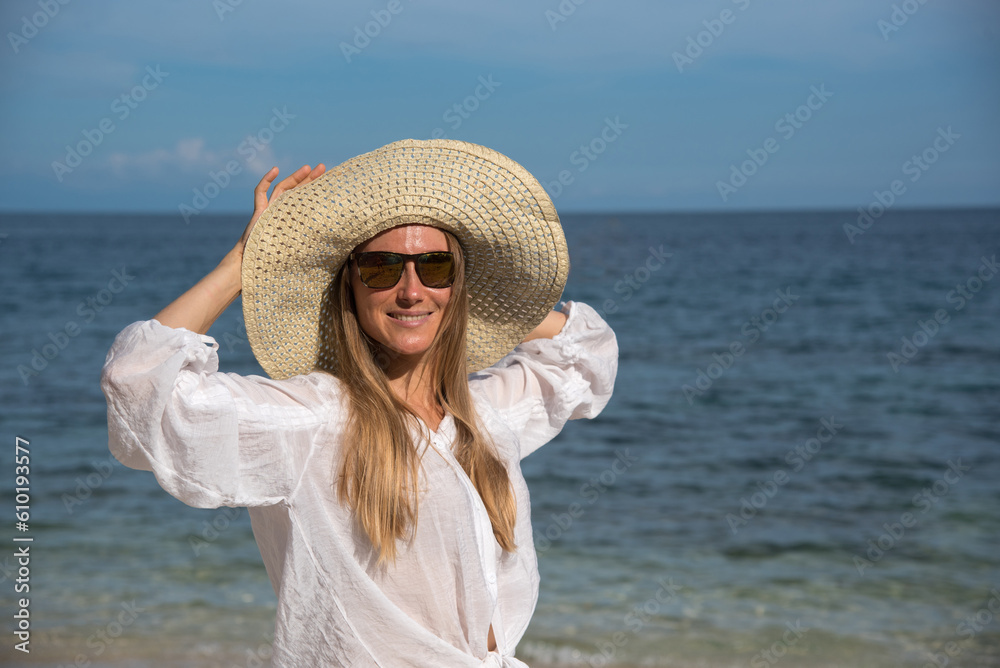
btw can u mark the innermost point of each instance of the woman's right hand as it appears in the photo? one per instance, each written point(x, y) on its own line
point(200, 306)
point(261, 200)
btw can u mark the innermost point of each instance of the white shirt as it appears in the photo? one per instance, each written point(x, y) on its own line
point(219, 439)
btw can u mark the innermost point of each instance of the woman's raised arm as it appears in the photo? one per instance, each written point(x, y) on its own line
point(198, 308)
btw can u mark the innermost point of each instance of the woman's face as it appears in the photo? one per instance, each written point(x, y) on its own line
point(406, 317)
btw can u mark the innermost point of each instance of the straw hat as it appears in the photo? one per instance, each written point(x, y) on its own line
point(515, 252)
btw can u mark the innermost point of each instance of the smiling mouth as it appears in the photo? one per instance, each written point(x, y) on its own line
point(408, 318)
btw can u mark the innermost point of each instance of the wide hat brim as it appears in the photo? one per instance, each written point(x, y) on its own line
point(516, 258)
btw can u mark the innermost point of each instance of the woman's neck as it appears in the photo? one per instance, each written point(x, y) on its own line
point(422, 401)
point(410, 381)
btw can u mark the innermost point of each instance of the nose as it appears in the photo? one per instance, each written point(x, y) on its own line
point(409, 289)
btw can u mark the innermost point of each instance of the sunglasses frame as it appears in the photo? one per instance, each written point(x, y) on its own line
point(406, 258)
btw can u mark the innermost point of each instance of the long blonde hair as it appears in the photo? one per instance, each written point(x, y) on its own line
point(379, 471)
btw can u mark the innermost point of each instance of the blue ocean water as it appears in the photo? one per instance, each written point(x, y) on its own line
point(799, 466)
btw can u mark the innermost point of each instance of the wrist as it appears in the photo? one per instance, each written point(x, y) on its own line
point(228, 279)
point(234, 256)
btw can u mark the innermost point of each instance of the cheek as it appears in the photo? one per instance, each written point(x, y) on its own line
point(363, 307)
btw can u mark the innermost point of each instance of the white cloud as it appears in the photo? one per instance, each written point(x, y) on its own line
point(188, 156)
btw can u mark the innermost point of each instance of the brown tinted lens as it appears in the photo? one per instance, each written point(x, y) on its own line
point(380, 270)
point(436, 270)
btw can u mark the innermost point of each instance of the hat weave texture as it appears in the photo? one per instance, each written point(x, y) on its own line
point(516, 260)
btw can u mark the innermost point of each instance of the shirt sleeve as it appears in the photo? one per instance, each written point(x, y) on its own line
point(211, 439)
point(545, 382)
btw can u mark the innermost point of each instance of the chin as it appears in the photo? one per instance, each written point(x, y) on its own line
point(409, 347)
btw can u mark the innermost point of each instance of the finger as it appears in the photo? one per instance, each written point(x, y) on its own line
point(313, 175)
point(316, 173)
point(260, 192)
point(295, 179)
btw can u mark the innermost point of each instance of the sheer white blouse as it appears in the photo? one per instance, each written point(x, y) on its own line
point(218, 439)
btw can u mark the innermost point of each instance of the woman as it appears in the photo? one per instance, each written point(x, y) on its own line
point(381, 460)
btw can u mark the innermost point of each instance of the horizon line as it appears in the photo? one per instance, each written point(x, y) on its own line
point(571, 212)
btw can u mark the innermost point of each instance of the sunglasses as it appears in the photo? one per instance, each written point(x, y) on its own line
point(382, 269)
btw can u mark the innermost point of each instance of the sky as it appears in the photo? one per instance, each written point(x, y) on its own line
point(642, 105)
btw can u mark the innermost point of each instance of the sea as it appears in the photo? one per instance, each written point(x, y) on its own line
point(800, 465)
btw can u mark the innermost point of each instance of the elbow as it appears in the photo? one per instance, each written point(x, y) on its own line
point(110, 378)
